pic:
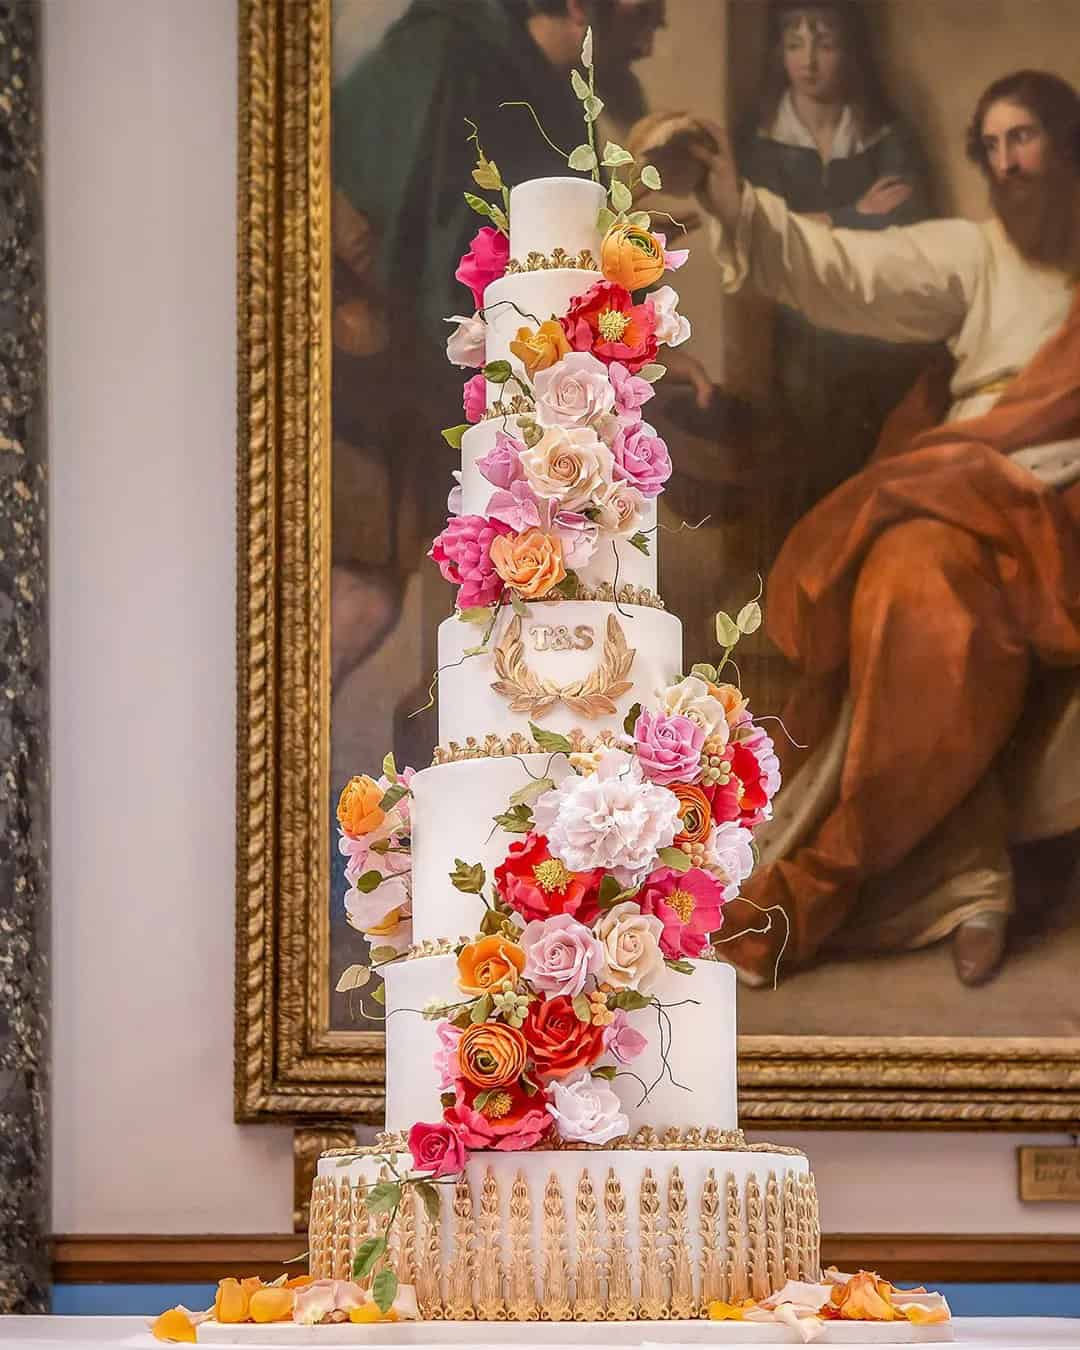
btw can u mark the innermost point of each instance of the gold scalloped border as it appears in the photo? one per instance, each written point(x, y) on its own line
point(689, 1138)
point(536, 261)
point(502, 747)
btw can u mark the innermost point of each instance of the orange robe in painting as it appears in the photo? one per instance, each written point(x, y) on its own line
point(933, 581)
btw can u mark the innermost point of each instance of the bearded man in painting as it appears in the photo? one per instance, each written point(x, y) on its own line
point(931, 588)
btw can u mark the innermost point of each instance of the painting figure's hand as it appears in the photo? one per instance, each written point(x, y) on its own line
point(718, 191)
point(683, 368)
point(884, 196)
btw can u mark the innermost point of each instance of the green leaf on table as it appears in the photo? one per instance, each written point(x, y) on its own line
point(383, 1197)
point(727, 630)
point(653, 372)
point(355, 977)
point(550, 741)
point(674, 858)
point(384, 1289)
point(748, 619)
point(367, 1254)
point(366, 882)
point(468, 877)
point(640, 542)
point(430, 1196)
point(621, 199)
point(582, 1008)
point(582, 159)
point(614, 155)
point(452, 435)
point(650, 176)
point(579, 86)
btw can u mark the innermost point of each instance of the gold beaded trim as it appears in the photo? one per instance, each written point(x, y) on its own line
point(628, 595)
point(511, 407)
point(499, 747)
point(558, 257)
point(690, 1138)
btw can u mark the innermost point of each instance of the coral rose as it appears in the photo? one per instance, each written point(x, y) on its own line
point(509, 1120)
point(532, 563)
point(491, 1054)
point(358, 810)
point(631, 256)
point(606, 322)
point(437, 1149)
point(484, 263)
point(487, 965)
point(695, 814)
point(537, 349)
point(536, 884)
point(560, 1043)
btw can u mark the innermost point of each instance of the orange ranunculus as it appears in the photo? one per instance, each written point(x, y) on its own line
point(542, 348)
point(694, 813)
point(232, 1303)
point(488, 965)
point(492, 1054)
point(865, 1298)
point(631, 256)
point(358, 809)
point(274, 1304)
point(175, 1325)
point(532, 562)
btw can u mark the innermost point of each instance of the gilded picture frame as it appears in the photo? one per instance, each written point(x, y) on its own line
point(290, 1064)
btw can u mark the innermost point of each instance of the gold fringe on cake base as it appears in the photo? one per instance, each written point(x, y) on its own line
point(753, 1238)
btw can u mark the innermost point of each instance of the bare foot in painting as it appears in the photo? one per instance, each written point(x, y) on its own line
point(978, 947)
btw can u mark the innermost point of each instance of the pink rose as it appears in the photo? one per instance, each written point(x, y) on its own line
point(501, 466)
point(688, 904)
point(573, 392)
point(668, 747)
point(642, 459)
point(437, 1149)
point(560, 955)
point(474, 398)
point(484, 263)
point(463, 553)
point(631, 391)
point(446, 1060)
point(516, 506)
point(622, 1040)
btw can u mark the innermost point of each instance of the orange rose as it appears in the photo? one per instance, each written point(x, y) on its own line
point(631, 257)
point(489, 964)
point(536, 351)
point(531, 562)
point(694, 812)
point(731, 698)
point(358, 809)
point(492, 1054)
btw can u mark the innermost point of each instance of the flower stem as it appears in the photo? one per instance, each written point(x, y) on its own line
point(522, 103)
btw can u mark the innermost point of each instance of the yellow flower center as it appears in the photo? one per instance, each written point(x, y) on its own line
point(497, 1106)
point(682, 902)
point(551, 875)
point(612, 324)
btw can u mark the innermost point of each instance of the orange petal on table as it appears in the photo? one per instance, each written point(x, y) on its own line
point(369, 1312)
point(924, 1317)
point(232, 1299)
point(298, 1281)
point(271, 1305)
point(719, 1311)
point(174, 1325)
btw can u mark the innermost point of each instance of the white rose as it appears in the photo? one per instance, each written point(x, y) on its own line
point(467, 343)
point(571, 465)
point(619, 510)
point(729, 856)
point(691, 698)
point(573, 392)
point(587, 1110)
point(671, 327)
point(384, 914)
point(631, 943)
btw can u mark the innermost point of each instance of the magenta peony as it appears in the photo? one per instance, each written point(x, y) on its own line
point(688, 904)
point(641, 458)
point(463, 553)
point(484, 263)
point(474, 398)
point(437, 1149)
point(668, 747)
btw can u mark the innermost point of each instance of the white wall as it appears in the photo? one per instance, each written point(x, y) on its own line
point(140, 200)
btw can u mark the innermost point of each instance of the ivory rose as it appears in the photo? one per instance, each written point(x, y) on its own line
point(484, 263)
point(491, 1054)
point(619, 509)
point(489, 964)
point(631, 256)
point(574, 392)
point(532, 563)
point(587, 1111)
point(465, 345)
point(631, 942)
point(571, 465)
point(692, 699)
point(539, 348)
point(560, 954)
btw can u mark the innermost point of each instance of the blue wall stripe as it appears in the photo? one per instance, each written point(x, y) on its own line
point(966, 1300)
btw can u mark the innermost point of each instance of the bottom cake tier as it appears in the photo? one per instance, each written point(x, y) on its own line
point(647, 1230)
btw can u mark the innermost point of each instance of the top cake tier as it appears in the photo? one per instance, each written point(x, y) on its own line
point(547, 214)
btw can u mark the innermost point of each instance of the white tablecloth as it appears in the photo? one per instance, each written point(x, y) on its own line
point(129, 1333)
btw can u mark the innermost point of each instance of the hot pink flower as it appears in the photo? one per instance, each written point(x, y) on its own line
point(606, 322)
point(501, 466)
point(624, 1041)
point(519, 1126)
point(642, 459)
point(463, 553)
point(474, 398)
point(484, 263)
point(437, 1149)
point(668, 747)
point(631, 391)
point(753, 778)
point(688, 904)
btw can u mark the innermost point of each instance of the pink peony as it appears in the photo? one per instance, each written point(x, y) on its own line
point(642, 459)
point(484, 263)
point(501, 466)
point(446, 1060)
point(622, 1040)
point(474, 398)
point(688, 904)
point(437, 1149)
point(631, 391)
point(463, 553)
point(560, 955)
point(668, 747)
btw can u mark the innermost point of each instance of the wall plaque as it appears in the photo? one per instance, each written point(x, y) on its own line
point(1049, 1173)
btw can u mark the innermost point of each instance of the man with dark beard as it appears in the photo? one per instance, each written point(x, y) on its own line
point(923, 595)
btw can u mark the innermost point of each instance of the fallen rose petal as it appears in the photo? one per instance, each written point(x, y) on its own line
point(234, 1297)
point(174, 1325)
point(271, 1305)
point(806, 1328)
point(313, 1303)
point(405, 1304)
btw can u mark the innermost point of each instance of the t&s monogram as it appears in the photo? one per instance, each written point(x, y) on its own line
point(560, 638)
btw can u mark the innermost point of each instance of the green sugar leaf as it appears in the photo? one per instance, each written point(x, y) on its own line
point(621, 199)
point(367, 881)
point(727, 630)
point(389, 766)
point(582, 158)
point(629, 1000)
point(630, 720)
point(614, 156)
point(550, 741)
point(355, 977)
point(605, 218)
point(468, 877)
point(683, 967)
point(528, 794)
point(430, 1196)
point(705, 672)
point(748, 619)
point(653, 372)
point(383, 1197)
point(393, 795)
point(578, 85)
point(479, 614)
point(384, 1289)
point(452, 435)
point(606, 1071)
point(481, 1009)
point(378, 994)
point(674, 858)
point(481, 207)
point(582, 1008)
point(497, 372)
point(381, 955)
point(593, 108)
point(651, 177)
point(641, 219)
point(367, 1254)
point(640, 542)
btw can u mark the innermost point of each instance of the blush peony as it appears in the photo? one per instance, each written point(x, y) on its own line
point(631, 391)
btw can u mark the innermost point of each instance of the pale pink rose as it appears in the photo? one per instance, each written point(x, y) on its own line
point(484, 263)
point(437, 1149)
point(586, 1110)
point(729, 856)
point(501, 466)
point(631, 391)
point(619, 510)
point(673, 257)
point(642, 459)
point(668, 747)
point(465, 345)
point(577, 534)
point(560, 955)
point(445, 1059)
point(671, 326)
point(474, 398)
point(622, 1040)
point(631, 942)
point(573, 392)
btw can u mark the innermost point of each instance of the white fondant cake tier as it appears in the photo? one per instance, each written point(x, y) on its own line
point(615, 562)
point(698, 1036)
point(594, 1235)
point(550, 213)
point(610, 656)
point(526, 300)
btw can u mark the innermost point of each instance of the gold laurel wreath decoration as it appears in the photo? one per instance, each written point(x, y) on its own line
point(592, 697)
